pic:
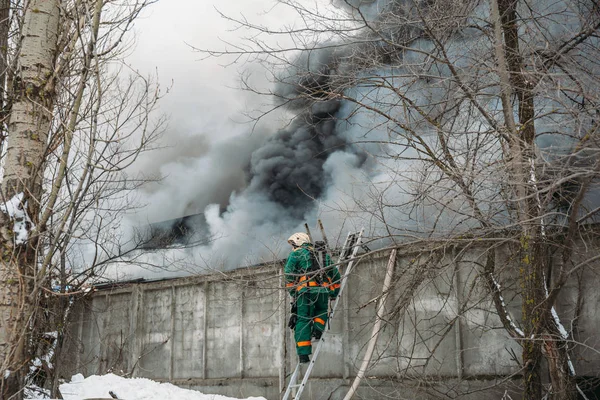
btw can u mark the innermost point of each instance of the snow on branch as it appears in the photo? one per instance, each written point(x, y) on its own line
point(503, 311)
point(17, 212)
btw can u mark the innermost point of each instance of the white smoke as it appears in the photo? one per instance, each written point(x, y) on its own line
point(194, 171)
point(341, 163)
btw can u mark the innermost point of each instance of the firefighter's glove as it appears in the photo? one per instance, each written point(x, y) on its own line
point(293, 317)
point(292, 322)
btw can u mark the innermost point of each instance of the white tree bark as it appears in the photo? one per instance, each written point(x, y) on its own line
point(28, 128)
point(31, 112)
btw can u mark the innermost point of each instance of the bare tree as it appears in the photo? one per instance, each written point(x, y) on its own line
point(75, 122)
point(478, 121)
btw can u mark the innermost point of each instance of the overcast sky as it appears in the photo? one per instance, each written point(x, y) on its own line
point(202, 91)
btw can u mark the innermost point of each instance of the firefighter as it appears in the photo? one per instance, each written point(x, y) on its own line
point(311, 287)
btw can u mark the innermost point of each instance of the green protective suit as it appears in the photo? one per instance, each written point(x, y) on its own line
point(310, 295)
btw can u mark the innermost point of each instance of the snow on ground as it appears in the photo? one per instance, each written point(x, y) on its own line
point(96, 386)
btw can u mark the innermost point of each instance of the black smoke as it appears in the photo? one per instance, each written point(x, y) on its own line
point(289, 167)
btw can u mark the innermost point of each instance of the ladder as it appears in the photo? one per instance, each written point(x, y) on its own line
point(347, 255)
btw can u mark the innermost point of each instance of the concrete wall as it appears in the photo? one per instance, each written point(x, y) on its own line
point(227, 333)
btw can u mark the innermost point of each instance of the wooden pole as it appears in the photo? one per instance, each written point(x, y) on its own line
point(376, 328)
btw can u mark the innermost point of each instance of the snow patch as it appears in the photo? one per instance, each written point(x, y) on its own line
point(6, 374)
point(565, 336)
point(571, 367)
point(507, 315)
point(131, 389)
point(17, 212)
point(533, 180)
point(561, 328)
point(33, 392)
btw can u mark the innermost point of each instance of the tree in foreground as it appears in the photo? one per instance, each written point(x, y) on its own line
point(477, 125)
point(74, 117)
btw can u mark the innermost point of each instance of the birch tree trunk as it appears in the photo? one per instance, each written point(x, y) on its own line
point(29, 124)
point(4, 32)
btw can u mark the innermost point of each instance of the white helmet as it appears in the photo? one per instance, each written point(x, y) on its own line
point(298, 239)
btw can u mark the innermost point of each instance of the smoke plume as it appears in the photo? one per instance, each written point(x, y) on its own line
point(352, 166)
